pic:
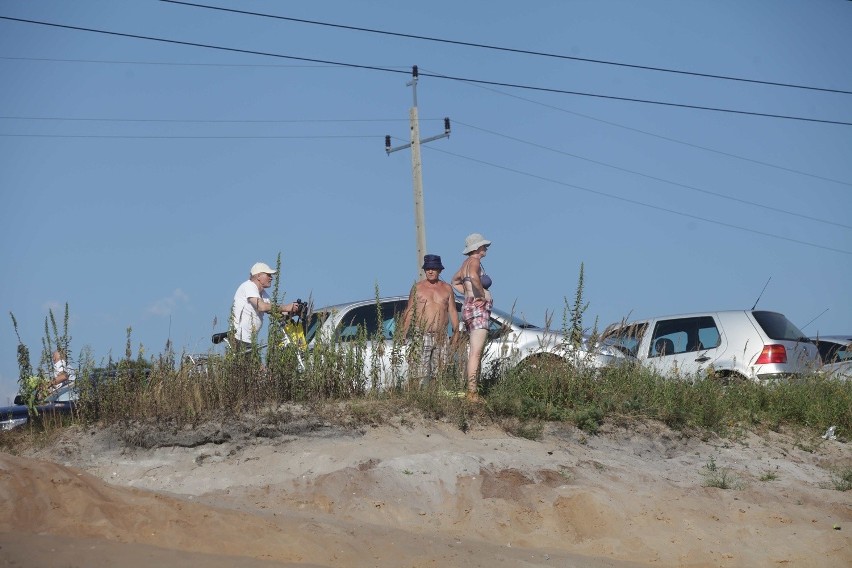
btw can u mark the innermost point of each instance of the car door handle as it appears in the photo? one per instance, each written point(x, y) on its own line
point(702, 359)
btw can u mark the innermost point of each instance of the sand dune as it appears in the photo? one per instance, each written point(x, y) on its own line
point(424, 493)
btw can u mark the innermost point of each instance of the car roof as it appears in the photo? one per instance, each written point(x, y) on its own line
point(347, 305)
point(694, 314)
point(722, 313)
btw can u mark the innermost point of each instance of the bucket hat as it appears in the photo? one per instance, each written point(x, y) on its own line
point(473, 242)
point(432, 261)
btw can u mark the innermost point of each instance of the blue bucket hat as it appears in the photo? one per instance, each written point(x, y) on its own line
point(433, 262)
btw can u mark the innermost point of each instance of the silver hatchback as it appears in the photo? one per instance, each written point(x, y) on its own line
point(752, 344)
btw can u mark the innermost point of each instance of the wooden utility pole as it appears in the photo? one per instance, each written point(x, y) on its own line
point(417, 169)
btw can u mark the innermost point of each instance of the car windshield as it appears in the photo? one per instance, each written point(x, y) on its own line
point(832, 352)
point(313, 322)
point(626, 338)
point(778, 327)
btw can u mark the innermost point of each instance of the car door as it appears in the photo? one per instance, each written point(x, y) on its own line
point(683, 347)
point(380, 363)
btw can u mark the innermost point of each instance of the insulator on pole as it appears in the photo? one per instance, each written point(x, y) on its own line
point(387, 143)
point(446, 125)
point(414, 71)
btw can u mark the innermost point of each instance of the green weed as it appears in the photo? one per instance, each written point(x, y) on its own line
point(169, 388)
point(720, 478)
point(841, 479)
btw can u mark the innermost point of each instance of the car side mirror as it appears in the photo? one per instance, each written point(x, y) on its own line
point(19, 400)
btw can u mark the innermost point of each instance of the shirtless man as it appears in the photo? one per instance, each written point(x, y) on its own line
point(431, 306)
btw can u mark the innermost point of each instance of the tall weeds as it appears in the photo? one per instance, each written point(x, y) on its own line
point(369, 367)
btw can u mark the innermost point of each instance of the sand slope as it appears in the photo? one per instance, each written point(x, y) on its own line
point(424, 493)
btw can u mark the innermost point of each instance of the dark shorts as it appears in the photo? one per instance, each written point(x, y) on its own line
point(476, 317)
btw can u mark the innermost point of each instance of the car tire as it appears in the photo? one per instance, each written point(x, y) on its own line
point(728, 378)
point(540, 363)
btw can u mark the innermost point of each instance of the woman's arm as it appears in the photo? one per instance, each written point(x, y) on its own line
point(473, 270)
point(457, 282)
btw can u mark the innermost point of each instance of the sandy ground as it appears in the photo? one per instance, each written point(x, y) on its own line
point(417, 493)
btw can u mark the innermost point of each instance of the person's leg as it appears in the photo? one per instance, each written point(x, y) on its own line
point(416, 358)
point(474, 355)
point(427, 362)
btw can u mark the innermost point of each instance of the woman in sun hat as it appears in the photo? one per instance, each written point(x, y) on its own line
point(472, 281)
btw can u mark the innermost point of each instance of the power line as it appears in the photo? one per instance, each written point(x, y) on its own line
point(173, 137)
point(164, 63)
point(655, 178)
point(204, 45)
point(436, 76)
point(640, 203)
point(631, 99)
point(337, 121)
point(666, 138)
point(508, 49)
point(208, 121)
point(503, 93)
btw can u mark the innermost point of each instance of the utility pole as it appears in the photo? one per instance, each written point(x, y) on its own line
point(417, 169)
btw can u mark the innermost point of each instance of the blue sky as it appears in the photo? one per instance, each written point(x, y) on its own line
point(141, 179)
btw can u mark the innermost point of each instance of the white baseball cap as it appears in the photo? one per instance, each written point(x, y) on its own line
point(259, 267)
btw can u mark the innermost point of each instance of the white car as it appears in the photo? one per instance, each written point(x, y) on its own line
point(836, 354)
point(511, 341)
point(752, 344)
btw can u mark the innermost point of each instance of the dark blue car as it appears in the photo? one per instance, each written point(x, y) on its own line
point(59, 403)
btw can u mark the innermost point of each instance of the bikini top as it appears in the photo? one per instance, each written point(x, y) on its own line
point(484, 279)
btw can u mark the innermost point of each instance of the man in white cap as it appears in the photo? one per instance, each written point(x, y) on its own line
point(251, 301)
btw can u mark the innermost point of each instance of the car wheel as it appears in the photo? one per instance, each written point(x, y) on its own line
point(540, 363)
point(728, 378)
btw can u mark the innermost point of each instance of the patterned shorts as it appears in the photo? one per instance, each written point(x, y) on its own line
point(476, 317)
point(432, 357)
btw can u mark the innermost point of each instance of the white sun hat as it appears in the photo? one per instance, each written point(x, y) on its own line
point(473, 242)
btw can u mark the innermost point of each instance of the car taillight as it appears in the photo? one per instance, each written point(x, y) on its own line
point(772, 354)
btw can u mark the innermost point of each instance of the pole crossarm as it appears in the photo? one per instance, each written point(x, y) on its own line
point(446, 134)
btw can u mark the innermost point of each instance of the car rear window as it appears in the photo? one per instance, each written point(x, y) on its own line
point(777, 326)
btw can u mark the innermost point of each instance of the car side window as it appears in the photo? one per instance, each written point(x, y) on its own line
point(391, 312)
point(366, 318)
point(683, 335)
point(708, 334)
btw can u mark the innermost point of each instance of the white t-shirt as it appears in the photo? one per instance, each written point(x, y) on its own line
point(247, 320)
point(62, 366)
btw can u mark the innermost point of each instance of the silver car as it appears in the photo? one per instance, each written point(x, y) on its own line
point(511, 341)
point(752, 344)
point(836, 354)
